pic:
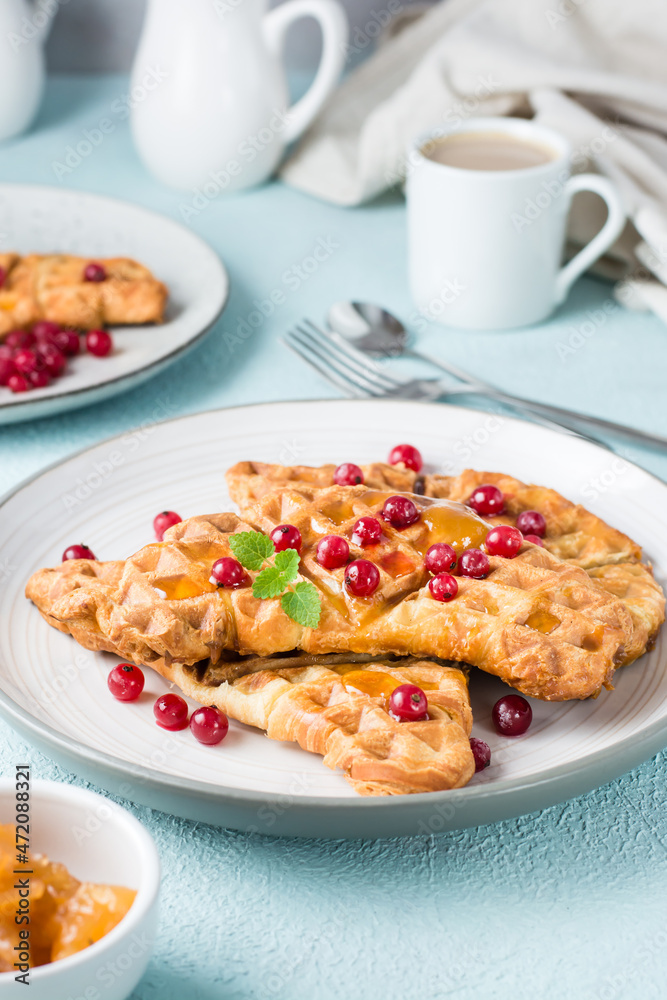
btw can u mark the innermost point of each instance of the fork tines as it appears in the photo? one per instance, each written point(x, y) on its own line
point(340, 363)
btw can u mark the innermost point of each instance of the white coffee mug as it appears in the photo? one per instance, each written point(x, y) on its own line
point(485, 246)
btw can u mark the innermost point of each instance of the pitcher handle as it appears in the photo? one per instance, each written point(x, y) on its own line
point(601, 242)
point(333, 23)
point(42, 20)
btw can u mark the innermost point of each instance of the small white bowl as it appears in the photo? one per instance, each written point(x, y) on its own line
point(98, 841)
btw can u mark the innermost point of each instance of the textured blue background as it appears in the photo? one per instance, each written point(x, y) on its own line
point(568, 903)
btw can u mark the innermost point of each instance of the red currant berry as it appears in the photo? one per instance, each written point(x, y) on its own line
point(6, 352)
point(475, 564)
point(77, 552)
point(348, 474)
point(286, 536)
point(407, 455)
point(25, 360)
point(126, 682)
point(408, 704)
point(503, 541)
point(367, 531)
point(99, 343)
point(440, 558)
point(209, 725)
point(7, 369)
point(531, 522)
point(52, 359)
point(18, 383)
point(487, 500)
point(171, 712)
point(39, 379)
point(443, 587)
point(512, 715)
point(481, 751)
point(535, 539)
point(362, 578)
point(67, 341)
point(20, 338)
point(94, 272)
point(400, 512)
point(332, 552)
point(167, 519)
point(44, 329)
point(227, 572)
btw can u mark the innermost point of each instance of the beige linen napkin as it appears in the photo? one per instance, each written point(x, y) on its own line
point(595, 70)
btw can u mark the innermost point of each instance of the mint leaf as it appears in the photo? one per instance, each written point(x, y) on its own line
point(252, 548)
point(269, 583)
point(272, 581)
point(303, 604)
point(287, 562)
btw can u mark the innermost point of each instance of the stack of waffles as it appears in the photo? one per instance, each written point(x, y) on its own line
point(554, 622)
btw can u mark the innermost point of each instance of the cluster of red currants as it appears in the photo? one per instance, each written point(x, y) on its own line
point(32, 359)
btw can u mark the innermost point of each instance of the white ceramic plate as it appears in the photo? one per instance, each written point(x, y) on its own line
point(55, 692)
point(46, 220)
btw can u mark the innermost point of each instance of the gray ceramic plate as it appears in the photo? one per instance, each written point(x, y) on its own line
point(55, 693)
point(48, 220)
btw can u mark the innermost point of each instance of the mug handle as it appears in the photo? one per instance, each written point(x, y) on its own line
point(333, 23)
point(611, 230)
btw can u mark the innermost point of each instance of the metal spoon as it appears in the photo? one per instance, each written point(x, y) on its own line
point(377, 332)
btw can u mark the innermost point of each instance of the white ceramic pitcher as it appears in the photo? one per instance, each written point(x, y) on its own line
point(209, 89)
point(23, 29)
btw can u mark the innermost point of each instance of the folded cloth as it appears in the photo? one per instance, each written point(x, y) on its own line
point(594, 70)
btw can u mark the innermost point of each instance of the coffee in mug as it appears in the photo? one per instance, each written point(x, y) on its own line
point(488, 151)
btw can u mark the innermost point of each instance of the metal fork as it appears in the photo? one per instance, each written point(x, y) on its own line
point(357, 375)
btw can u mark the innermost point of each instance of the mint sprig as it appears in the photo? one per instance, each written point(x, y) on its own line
point(251, 548)
point(255, 551)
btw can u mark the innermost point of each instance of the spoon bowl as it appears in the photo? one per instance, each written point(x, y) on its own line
point(370, 328)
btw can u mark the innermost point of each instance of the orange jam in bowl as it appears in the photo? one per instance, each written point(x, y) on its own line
point(66, 915)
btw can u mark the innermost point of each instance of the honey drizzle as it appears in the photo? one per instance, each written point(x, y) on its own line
point(454, 524)
point(396, 564)
point(178, 588)
point(444, 520)
point(375, 683)
point(593, 640)
point(542, 621)
point(338, 513)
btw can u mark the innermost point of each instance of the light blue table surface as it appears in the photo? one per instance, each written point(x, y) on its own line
point(568, 903)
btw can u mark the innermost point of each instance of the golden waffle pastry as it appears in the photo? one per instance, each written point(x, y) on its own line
point(339, 709)
point(538, 623)
point(573, 533)
point(335, 706)
point(51, 287)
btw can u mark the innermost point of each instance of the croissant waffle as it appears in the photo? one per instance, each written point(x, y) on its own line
point(538, 623)
point(51, 287)
point(339, 710)
point(574, 534)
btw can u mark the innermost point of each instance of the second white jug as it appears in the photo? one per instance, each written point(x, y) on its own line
point(209, 94)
